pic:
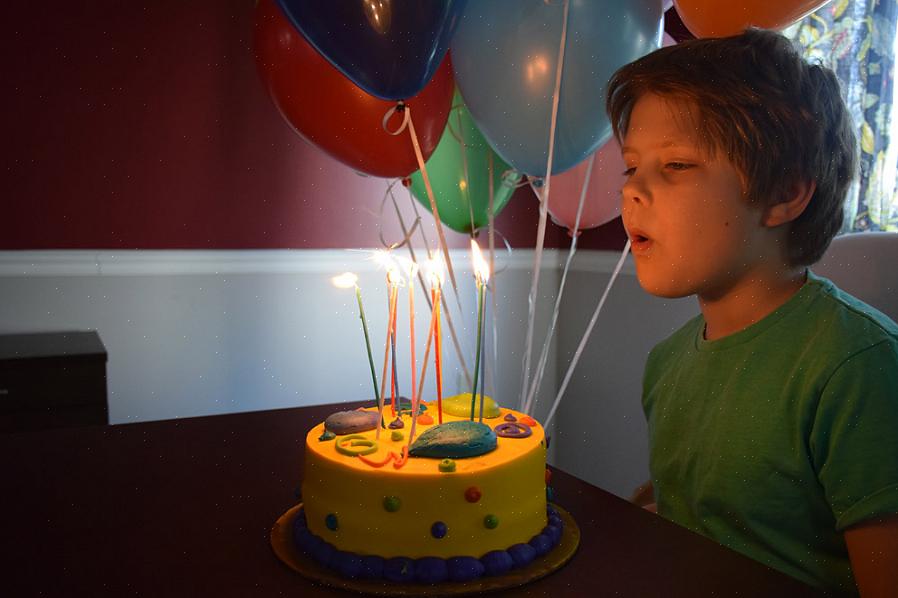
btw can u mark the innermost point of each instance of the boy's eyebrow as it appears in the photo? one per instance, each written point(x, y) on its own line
point(671, 143)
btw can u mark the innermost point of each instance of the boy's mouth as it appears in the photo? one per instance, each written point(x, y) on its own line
point(640, 243)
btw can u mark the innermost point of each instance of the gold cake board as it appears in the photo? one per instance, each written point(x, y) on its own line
point(282, 543)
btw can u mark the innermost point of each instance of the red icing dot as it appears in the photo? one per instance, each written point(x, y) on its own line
point(528, 421)
point(425, 419)
point(548, 475)
point(473, 494)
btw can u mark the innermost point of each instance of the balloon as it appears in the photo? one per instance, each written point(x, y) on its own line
point(331, 112)
point(712, 18)
point(602, 202)
point(389, 48)
point(504, 55)
point(455, 196)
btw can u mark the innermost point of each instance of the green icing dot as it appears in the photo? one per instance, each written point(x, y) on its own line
point(328, 435)
point(447, 465)
point(392, 503)
point(396, 435)
point(491, 522)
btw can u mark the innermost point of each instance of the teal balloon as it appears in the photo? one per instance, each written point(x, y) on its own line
point(504, 55)
point(461, 193)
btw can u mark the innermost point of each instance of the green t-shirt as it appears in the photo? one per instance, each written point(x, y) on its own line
point(774, 439)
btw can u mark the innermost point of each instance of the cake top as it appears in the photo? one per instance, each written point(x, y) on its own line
point(347, 439)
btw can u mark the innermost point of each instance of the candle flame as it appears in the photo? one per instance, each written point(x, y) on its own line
point(434, 269)
point(407, 266)
point(481, 268)
point(347, 280)
point(394, 277)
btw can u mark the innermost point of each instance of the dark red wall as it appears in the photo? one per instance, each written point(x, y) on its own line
point(145, 126)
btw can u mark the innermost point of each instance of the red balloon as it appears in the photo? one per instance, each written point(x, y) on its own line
point(331, 112)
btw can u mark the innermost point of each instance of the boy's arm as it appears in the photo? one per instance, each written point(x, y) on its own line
point(873, 550)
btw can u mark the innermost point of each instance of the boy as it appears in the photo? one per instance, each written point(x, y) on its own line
point(773, 416)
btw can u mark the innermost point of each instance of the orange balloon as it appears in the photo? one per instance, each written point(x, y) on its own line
point(713, 18)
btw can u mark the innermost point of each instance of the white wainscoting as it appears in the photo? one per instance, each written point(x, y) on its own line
point(194, 333)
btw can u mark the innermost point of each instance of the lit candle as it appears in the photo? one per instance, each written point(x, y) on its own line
point(436, 286)
point(481, 274)
point(345, 281)
point(412, 271)
point(393, 284)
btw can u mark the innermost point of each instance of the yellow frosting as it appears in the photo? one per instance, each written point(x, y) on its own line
point(510, 479)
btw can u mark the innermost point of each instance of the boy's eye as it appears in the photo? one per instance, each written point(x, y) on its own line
point(629, 171)
point(678, 166)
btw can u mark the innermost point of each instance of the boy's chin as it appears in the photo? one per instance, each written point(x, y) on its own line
point(667, 290)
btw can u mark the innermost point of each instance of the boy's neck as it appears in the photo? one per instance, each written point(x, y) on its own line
point(749, 301)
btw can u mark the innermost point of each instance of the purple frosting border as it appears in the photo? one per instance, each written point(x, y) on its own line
point(426, 570)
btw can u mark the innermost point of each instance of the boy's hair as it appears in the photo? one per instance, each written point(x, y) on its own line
point(776, 118)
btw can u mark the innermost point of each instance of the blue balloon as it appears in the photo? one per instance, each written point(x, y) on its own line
point(504, 55)
point(389, 48)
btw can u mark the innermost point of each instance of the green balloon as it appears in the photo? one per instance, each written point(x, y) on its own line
point(456, 196)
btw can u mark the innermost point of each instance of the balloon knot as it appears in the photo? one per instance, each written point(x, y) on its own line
point(406, 181)
point(400, 106)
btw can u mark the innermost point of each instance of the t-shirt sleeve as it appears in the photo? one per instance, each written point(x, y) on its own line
point(854, 438)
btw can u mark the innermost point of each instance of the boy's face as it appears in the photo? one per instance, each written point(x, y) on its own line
point(692, 232)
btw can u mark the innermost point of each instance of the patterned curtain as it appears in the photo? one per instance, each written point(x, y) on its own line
point(856, 39)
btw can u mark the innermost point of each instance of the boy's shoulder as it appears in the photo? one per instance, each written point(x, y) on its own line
point(846, 319)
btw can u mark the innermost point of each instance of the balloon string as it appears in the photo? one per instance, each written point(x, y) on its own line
point(407, 240)
point(586, 333)
point(433, 205)
point(543, 211)
point(464, 161)
point(491, 220)
point(406, 118)
point(458, 352)
point(406, 234)
point(544, 355)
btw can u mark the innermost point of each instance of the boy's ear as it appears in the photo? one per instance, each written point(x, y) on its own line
point(792, 206)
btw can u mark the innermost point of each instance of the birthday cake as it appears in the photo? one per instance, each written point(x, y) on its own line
point(465, 499)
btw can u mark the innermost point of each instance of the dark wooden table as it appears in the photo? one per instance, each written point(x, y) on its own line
point(184, 508)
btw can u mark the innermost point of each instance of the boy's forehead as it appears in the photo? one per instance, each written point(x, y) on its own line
point(661, 121)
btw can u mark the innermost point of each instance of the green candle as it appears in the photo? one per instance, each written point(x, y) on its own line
point(345, 281)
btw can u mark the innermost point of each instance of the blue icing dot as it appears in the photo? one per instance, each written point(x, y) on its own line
point(455, 440)
point(464, 568)
point(438, 530)
point(351, 422)
point(399, 569)
point(431, 569)
point(372, 567)
point(522, 554)
point(347, 564)
point(550, 494)
point(331, 522)
point(497, 562)
point(541, 544)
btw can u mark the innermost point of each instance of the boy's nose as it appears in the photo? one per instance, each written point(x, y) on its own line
point(635, 191)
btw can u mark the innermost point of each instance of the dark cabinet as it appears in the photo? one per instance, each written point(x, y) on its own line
point(51, 380)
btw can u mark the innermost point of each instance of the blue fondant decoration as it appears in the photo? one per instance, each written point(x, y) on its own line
point(464, 568)
point(522, 554)
point(372, 567)
point(454, 440)
point(347, 564)
point(553, 532)
point(431, 569)
point(541, 544)
point(350, 422)
point(396, 424)
point(400, 569)
point(330, 521)
point(497, 562)
point(323, 552)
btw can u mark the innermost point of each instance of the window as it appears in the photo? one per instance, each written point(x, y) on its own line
point(857, 39)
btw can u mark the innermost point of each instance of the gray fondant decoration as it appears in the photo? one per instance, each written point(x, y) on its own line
point(351, 422)
point(454, 440)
